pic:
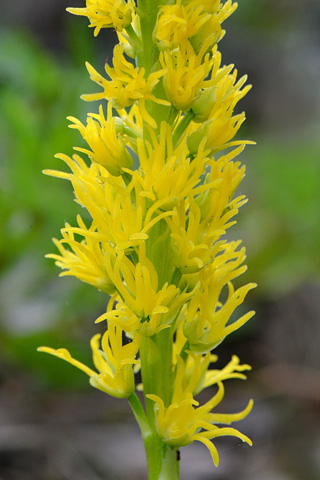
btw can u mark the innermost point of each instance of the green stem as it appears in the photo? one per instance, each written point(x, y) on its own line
point(170, 464)
point(156, 369)
point(155, 351)
point(157, 378)
point(147, 56)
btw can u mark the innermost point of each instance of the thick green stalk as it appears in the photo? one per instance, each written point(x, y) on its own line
point(156, 370)
point(170, 464)
point(155, 351)
point(147, 56)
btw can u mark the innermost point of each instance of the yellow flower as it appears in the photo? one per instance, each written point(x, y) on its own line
point(201, 221)
point(217, 205)
point(193, 375)
point(127, 85)
point(212, 28)
point(220, 124)
point(107, 147)
point(184, 422)
point(86, 261)
point(143, 306)
point(119, 223)
point(106, 13)
point(177, 23)
point(167, 175)
point(186, 74)
point(206, 318)
point(114, 362)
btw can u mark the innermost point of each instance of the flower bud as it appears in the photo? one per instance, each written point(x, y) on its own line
point(203, 104)
point(196, 137)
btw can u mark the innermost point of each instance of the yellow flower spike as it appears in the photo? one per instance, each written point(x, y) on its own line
point(106, 13)
point(114, 362)
point(107, 147)
point(184, 421)
point(161, 202)
point(127, 85)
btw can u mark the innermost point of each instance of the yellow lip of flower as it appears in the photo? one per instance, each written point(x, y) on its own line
point(193, 375)
point(106, 13)
point(114, 362)
point(127, 85)
point(107, 147)
point(232, 370)
point(183, 421)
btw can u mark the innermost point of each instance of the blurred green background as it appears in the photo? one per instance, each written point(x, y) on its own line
point(52, 426)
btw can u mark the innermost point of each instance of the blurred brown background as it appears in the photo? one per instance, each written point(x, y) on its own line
point(53, 426)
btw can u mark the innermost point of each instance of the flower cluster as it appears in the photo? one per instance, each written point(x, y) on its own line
point(159, 180)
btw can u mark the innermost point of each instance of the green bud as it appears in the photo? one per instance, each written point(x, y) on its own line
point(196, 137)
point(203, 104)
